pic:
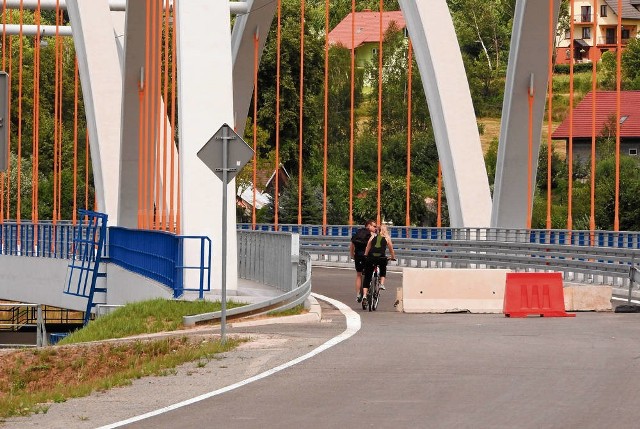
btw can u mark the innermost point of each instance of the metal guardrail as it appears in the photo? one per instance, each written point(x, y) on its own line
point(583, 264)
point(280, 303)
point(16, 325)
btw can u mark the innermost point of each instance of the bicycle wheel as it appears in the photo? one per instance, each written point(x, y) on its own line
point(371, 292)
point(376, 294)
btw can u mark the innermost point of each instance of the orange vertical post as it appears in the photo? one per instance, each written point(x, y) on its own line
point(352, 109)
point(277, 179)
point(300, 113)
point(326, 116)
point(570, 148)
point(549, 108)
point(379, 179)
point(594, 87)
point(616, 220)
point(407, 220)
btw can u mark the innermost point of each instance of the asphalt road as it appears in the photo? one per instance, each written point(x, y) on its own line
point(441, 371)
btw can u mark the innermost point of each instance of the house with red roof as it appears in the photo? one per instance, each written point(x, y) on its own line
point(604, 114)
point(362, 31)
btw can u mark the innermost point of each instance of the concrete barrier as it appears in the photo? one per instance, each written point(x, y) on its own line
point(587, 298)
point(445, 290)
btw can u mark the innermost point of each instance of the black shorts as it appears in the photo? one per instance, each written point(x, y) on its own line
point(359, 261)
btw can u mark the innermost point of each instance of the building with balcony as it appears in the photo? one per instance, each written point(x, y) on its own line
point(595, 31)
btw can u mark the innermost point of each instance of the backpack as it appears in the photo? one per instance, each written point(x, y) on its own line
point(378, 246)
point(360, 240)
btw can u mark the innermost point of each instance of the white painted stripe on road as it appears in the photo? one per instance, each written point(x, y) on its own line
point(353, 326)
point(634, 301)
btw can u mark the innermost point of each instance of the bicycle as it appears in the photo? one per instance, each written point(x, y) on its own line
point(373, 292)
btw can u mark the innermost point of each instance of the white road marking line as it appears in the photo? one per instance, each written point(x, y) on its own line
point(353, 326)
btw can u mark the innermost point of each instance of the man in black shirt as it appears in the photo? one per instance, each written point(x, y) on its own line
point(358, 246)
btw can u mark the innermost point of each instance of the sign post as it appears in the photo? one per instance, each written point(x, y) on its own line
point(225, 154)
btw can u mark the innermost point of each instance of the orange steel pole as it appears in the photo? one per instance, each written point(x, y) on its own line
point(255, 127)
point(155, 114)
point(140, 151)
point(165, 119)
point(146, 117)
point(20, 66)
point(36, 122)
point(616, 220)
point(175, 226)
point(86, 170)
point(594, 87)
point(407, 220)
point(439, 216)
point(352, 109)
point(9, 127)
point(530, 154)
point(570, 149)
point(381, 35)
point(277, 182)
point(4, 63)
point(300, 113)
point(550, 109)
point(326, 116)
point(75, 139)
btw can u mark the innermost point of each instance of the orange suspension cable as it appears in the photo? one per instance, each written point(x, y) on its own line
point(20, 66)
point(530, 153)
point(255, 127)
point(594, 87)
point(55, 120)
point(9, 126)
point(439, 216)
point(301, 110)
point(4, 57)
point(175, 226)
point(155, 114)
point(165, 120)
point(60, 56)
point(381, 35)
point(277, 182)
point(86, 170)
point(75, 139)
point(326, 117)
point(570, 149)
point(407, 220)
point(549, 108)
point(146, 109)
point(36, 122)
point(352, 118)
point(140, 151)
point(616, 220)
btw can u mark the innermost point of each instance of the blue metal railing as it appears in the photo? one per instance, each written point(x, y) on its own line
point(159, 256)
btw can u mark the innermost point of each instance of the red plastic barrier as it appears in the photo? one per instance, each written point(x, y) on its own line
point(534, 293)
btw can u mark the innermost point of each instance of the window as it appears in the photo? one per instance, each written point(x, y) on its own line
point(567, 34)
point(623, 119)
point(625, 33)
point(567, 54)
point(603, 10)
point(585, 14)
point(586, 32)
point(633, 151)
point(406, 32)
point(374, 51)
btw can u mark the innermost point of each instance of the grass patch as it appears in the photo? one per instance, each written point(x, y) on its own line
point(144, 317)
point(32, 379)
point(298, 309)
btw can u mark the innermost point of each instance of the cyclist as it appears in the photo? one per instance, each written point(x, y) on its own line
point(357, 248)
point(376, 255)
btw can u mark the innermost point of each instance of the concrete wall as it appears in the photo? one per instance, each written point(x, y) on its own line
point(46, 280)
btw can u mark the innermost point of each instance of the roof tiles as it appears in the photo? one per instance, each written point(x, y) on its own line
point(367, 27)
point(605, 107)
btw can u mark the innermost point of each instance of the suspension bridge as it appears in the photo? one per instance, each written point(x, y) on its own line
point(129, 154)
